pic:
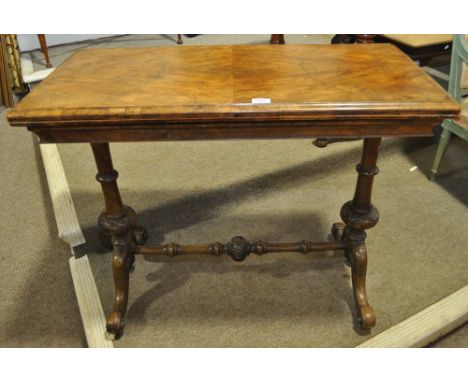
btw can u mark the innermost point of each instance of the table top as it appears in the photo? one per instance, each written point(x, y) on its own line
point(194, 85)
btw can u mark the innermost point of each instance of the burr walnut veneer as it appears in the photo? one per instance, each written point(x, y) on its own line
point(234, 92)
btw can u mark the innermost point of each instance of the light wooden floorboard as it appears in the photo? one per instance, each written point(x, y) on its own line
point(69, 230)
point(426, 326)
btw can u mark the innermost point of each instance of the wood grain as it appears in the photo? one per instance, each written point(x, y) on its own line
point(164, 92)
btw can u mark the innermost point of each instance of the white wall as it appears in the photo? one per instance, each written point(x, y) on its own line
point(29, 42)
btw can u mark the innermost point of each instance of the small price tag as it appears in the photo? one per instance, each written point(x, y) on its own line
point(261, 100)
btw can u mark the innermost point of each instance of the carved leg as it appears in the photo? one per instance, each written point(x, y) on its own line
point(116, 215)
point(122, 261)
point(359, 215)
point(179, 39)
point(140, 234)
point(358, 260)
point(118, 222)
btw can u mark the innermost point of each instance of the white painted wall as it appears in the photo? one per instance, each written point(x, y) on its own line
point(29, 42)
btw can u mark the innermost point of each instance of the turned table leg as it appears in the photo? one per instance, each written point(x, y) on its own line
point(118, 222)
point(359, 214)
point(122, 261)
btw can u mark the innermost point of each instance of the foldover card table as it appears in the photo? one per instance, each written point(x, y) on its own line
point(99, 96)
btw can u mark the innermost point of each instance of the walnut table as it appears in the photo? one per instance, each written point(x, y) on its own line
point(100, 96)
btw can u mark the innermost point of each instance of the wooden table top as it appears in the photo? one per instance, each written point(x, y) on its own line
point(198, 85)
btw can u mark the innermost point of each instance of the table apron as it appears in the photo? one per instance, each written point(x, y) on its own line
point(230, 130)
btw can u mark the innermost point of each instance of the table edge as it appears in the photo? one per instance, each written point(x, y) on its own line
point(207, 113)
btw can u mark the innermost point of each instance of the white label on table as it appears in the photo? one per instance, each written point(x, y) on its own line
point(261, 100)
